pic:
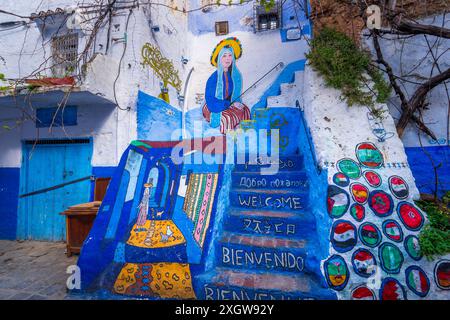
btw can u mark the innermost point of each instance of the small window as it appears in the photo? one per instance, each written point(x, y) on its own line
point(65, 55)
point(56, 117)
point(221, 28)
point(267, 19)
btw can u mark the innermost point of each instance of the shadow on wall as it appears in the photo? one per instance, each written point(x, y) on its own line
point(423, 171)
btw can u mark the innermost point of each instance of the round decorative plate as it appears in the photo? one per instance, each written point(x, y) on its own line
point(340, 179)
point(417, 281)
point(362, 293)
point(343, 236)
point(338, 201)
point(412, 247)
point(398, 187)
point(359, 192)
point(391, 289)
point(391, 258)
point(410, 216)
point(392, 230)
point(364, 263)
point(381, 203)
point(373, 179)
point(349, 167)
point(442, 274)
point(369, 155)
point(358, 212)
point(336, 272)
point(369, 234)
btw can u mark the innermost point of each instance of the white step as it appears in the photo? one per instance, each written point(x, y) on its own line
point(290, 92)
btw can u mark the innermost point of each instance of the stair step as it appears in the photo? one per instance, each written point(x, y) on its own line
point(255, 164)
point(266, 253)
point(226, 284)
point(281, 101)
point(281, 199)
point(267, 242)
point(273, 223)
point(286, 180)
point(287, 87)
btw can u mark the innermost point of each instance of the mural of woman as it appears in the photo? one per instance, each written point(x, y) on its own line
point(223, 107)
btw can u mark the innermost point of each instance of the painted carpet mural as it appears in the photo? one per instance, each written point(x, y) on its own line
point(139, 244)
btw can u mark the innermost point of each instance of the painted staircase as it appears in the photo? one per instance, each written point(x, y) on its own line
point(266, 248)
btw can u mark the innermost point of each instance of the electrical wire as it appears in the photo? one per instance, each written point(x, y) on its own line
point(120, 63)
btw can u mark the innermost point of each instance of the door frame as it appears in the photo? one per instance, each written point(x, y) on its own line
point(23, 214)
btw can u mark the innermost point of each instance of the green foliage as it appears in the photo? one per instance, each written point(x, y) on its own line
point(345, 67)
point(434, 238)
point(2, 77)
point(267, 4)
point(382, 88)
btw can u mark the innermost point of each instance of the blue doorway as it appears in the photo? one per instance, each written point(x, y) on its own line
point(46, 164)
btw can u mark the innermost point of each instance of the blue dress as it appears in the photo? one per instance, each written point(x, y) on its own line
point(214, 104)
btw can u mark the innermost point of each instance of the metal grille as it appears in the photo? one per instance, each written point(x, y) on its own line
point(267, 19)
point(64, 54)
point(59, 141)
point(221, 28)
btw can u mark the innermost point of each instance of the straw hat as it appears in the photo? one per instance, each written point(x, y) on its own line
point(233, 43)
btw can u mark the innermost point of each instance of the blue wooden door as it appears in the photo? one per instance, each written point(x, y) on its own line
point(44, 166)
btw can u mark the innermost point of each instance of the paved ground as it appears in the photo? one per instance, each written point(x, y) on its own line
point(33, 270)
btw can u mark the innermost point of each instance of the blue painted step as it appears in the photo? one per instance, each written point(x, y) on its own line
point(261, 253)
point(281, 199)
point(177, 253)
point(285, 163)
point(284, 224)
point(226, 284)
point(282, 180)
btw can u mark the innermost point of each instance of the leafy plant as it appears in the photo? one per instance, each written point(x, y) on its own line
point(347, 68)
point(434, 238)
point(267, 4)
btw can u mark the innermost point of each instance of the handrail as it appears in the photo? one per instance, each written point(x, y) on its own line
point(279, 64)
point(309, 138)
point(56, 186)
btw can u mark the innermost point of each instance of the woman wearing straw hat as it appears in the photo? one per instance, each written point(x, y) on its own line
point(223, 107)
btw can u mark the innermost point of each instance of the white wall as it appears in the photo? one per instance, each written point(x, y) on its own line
point(337, 128)
point(409, 56)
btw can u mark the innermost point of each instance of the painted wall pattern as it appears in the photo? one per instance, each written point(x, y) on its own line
point(375, 252)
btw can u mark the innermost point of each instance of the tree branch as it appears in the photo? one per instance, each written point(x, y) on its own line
point(418, 98)
point(397, 89)
point(417, 28)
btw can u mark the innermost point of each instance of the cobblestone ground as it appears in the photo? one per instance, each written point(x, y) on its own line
point(33, 270)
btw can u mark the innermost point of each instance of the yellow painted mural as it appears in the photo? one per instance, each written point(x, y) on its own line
point(160, 280)
point(156, 234)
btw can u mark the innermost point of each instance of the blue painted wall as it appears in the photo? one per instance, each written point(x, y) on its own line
point(9, 191)
point(100, 172)
point(422, 168)
point(9, 197)
point(151, 113)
